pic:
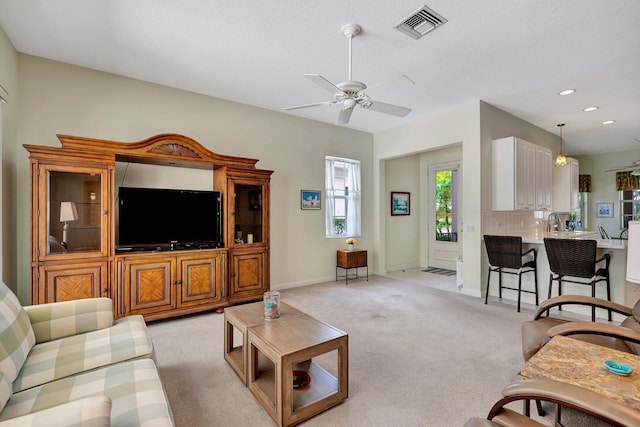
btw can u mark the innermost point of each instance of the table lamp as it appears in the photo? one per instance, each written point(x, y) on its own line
point(68, 212)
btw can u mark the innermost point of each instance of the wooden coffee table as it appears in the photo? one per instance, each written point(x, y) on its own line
point(291, 344)
point(240, 318)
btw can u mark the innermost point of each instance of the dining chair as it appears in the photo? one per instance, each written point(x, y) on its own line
point(574, 261)
point(506, 256)
point(562, 395)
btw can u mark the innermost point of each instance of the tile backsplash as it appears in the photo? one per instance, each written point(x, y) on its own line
point(509, 221)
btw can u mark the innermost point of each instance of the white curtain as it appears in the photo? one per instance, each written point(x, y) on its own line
point(353, 198)
point(351, 194)
point(330, 192)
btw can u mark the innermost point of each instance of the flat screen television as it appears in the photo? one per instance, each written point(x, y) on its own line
point(152, 216)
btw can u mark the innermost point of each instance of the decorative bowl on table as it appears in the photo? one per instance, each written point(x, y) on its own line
point(618, 368)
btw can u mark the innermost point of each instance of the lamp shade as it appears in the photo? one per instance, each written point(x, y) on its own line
point(561, 160)
point(68, 212)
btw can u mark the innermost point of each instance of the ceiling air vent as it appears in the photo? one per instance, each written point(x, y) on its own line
point(420, 23)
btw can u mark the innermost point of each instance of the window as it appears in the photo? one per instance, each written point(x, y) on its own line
point(342, 192)
point(629, 207)
point(446, 205)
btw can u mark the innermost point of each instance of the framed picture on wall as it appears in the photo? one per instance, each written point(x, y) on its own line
point(310, 200)
point(604, 210)
point(400, 203)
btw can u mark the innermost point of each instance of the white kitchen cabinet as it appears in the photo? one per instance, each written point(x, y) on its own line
point(565, 186)
point(543, 179)
point(521, 175)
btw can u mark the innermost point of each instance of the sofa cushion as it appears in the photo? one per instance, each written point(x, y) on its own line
point(88, 412)
point(16, 334)
point(5, 391)
point(66, 318)
point(127, 339)
point(135, 390)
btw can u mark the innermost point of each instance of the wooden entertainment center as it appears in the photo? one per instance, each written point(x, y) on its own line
point(73, 230)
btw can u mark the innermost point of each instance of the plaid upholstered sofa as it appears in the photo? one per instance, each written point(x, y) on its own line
point(71, 364)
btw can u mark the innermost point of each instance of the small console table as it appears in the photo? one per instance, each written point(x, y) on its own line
point(351, 259)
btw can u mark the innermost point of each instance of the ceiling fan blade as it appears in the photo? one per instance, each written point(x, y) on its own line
point(396, 84)
point(324, 83)
point(344, 116)
point(316, 104)
point(394, 110)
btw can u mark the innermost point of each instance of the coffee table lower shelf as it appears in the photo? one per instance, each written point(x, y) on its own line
point(322, 385)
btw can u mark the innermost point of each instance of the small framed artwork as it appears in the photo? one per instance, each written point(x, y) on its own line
point(604, 210)
point(310, 200)
point(400, 203)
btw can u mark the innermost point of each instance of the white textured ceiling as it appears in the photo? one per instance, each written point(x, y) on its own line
point(514, 54)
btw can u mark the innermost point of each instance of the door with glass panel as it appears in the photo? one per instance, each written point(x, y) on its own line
point(444, 207)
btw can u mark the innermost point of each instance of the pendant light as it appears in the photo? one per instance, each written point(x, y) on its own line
point(561, 160)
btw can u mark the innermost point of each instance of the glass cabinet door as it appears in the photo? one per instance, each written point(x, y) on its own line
point(75, 220)
point(248, 213)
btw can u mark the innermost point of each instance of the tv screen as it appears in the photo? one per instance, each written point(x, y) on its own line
point(151, 216)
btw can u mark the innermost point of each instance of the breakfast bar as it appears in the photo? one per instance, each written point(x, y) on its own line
point(535, 239)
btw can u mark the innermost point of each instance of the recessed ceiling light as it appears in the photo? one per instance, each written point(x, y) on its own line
point(594, 108)
point(608, 122)
point(566, 92)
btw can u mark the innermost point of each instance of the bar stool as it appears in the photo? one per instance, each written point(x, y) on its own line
point(576, 258)
point(506, 256)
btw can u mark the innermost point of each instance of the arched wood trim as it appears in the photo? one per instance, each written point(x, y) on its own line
point(167, 149)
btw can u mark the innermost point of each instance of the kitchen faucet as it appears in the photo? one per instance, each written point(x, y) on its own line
point(556, 220)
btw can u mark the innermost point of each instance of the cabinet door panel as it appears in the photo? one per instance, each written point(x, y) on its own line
point(201, 278)
point(70, 282)
point(247, 273)
point(150, 286)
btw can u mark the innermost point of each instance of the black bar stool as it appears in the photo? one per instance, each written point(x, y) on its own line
point(576, 259)
point(506, 256)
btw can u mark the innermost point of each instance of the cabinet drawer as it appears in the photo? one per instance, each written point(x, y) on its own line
point(351, 259)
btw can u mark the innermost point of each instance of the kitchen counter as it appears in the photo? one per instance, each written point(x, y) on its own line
point(537, 237)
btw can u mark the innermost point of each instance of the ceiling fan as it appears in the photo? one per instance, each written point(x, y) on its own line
point(350, 93)
point(634, 168)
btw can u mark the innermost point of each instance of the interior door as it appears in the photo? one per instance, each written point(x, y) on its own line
point(444, 206)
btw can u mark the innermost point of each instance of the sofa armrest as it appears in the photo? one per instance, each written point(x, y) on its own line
point(87, 412)
point(561, 300)
point(61, 319)
point(593, 328)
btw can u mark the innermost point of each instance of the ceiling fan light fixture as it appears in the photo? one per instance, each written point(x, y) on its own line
point(561, 159)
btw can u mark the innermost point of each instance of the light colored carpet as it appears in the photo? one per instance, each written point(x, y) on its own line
point(417, 357)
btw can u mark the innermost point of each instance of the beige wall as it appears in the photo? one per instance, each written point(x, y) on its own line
point(57, 98)
point(8, 127)
point(402, 232)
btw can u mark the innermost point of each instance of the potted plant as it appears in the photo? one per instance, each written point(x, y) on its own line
point(351, 243)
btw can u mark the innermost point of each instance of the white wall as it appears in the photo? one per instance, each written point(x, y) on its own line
point(57, 98)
